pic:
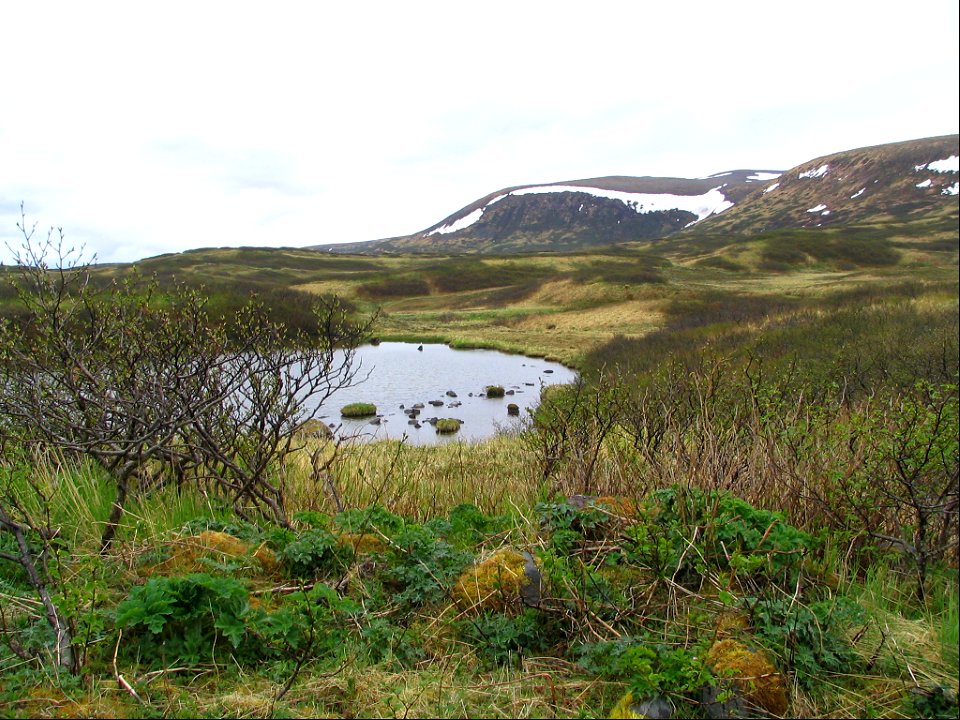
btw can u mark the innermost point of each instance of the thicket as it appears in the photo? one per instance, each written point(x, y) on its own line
point(843, 417)
point(156, 392)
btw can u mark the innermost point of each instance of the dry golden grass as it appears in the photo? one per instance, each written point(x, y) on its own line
point(417, 481)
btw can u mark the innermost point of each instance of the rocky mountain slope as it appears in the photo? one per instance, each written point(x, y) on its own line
point(873, 184)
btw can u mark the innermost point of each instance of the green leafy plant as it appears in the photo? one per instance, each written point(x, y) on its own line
point(423, 565)
point(505, 639)
point(648, 669)
point(811, 638)
point(185, 619)
point(314, 552)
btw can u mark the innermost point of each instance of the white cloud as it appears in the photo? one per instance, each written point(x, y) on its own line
point(150, 128)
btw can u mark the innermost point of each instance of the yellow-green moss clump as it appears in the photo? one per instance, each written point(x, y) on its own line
point(315, 428)
point(363, 543)
point(623, 710)
point(627, 708)
point(497, 583)
point(754, 677)
point(188, 554)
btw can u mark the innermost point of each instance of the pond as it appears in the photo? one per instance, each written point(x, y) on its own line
point(448, 383)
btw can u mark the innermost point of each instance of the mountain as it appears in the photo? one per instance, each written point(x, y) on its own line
point(893, 181)
point(896, 181)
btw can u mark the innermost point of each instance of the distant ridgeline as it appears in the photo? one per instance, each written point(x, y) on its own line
point(898, 181)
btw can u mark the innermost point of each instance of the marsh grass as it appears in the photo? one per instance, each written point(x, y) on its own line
point(77, 496)
point(419, 481)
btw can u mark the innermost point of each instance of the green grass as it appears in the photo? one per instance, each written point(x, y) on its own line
point(358, 410)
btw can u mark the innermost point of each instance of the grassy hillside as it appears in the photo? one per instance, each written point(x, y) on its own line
point(748, 505)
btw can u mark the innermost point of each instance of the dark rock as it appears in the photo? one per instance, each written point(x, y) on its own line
point(451, 393)
point(437, 403)
point(531, 592)
point(513, 409)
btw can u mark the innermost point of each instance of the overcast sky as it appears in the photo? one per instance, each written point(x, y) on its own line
point(144, 128)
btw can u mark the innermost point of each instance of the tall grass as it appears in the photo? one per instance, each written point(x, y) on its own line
point(417, 481)
point(77, 495)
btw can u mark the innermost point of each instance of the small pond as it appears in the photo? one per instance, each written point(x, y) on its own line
point(448, 383)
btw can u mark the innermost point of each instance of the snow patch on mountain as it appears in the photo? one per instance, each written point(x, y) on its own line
point(770, 188)
point(818, 208)
point(465, 221)
point(950, 164)
point(818, 173)
point(952, 190)
point(763, 176)
point(709, 203)
point(858, 193)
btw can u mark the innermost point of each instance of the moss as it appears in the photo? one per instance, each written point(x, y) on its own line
point(752, 674)
point(447, 425)
point(188, 554)
point(363, 543)
point(315, 428)
point(623, 710)
point(358, 410)
point(628, 708)
point(494, 584)
point(495, 391)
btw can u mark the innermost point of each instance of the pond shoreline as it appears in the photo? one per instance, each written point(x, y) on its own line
point(414, 386)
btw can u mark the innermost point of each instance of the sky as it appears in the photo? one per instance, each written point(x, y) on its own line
point(148, 128)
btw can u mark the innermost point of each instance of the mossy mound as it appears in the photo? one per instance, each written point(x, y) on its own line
point(495, 391)
point(628, 708)
point(363, 543)
point(358, 410)
point(447, 426)
point(194, 554)
point(314, 428)
point(753, 676)
point(506, 579)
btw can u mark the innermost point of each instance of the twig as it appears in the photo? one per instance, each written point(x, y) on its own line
point(120, 679)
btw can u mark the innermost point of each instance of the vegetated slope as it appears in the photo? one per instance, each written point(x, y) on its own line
point(573, 215)
point(883, 183)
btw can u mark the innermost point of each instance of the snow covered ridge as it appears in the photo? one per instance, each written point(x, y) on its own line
point(950, 164)
point(711, 202)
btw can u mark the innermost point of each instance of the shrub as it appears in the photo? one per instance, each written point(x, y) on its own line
point(495, 391)
point(184, 619)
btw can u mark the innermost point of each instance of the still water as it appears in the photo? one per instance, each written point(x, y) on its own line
point(397, 376)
